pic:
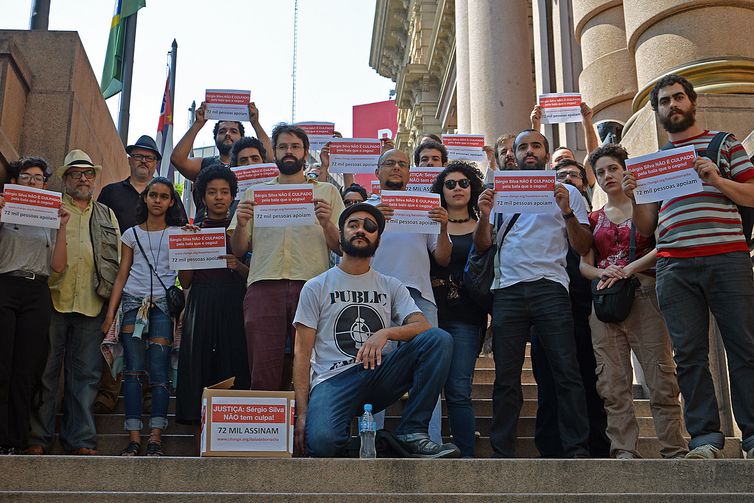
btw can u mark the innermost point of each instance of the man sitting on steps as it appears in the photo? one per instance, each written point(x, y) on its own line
point(346, 316)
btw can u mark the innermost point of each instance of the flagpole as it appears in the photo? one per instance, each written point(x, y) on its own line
point(173, 69)
point(40, 15)
point(124, 115)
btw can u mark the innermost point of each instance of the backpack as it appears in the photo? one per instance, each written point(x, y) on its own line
point(713, 154)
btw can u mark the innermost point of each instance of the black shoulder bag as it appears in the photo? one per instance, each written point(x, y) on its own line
point(480, 269)
point(173, 295)
point(613, 305)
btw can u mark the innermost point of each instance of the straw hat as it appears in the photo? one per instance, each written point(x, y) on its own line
point(76, 159)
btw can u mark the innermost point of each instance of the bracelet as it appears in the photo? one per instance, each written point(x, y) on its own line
point(568, 216)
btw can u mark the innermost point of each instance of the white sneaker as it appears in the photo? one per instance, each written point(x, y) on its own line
point(706, 451)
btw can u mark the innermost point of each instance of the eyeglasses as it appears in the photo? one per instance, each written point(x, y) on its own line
point(76, 175)
point(563, 174)
point(282, 147)
point(369, 225)
point(26, 177)
point(463, 182)
point(141, 157)
point(392, 162)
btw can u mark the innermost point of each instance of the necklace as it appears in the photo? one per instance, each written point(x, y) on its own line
point(459, 220)
point(151, 252)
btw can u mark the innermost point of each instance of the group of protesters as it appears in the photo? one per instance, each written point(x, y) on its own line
point(349, 310)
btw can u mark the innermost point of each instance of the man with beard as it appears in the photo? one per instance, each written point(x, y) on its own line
point(431, 154)
point(78, 296)
point(531, 290)
point(344, 320)
point(405, 255)
point(547, 432)
point(703, 265)
point(282, 260)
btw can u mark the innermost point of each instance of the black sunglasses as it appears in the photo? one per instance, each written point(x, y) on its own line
point(463, 182)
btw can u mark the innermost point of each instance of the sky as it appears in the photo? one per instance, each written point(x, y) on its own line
point(236, 44)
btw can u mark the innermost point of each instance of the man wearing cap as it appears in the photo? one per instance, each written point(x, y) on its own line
point(122, 197)
point(78, 295)
point(344, 320)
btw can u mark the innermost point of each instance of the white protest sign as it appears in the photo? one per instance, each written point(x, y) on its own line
point(465, 147)
point(227, 104)
point(375, 186)
point(30, 206)
point(319, 133)
point(254, 174)
point(354, 155)
point(560, 107)
point(664, 175)
point(197, 249)
point(421, 179)
point(254, 423)
point(411, 211)
point(526, 191)
point(284, 205)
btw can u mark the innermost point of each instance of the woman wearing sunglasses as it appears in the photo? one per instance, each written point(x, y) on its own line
point(27, 255)
point(459, 186)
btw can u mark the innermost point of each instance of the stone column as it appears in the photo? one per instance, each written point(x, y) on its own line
point(608, 80)
point(463, 104)
point(500, 67)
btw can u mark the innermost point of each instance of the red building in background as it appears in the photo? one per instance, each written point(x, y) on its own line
point(374, 120)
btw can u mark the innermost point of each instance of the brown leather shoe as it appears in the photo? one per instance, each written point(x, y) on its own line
point(83, 451)
point(34, 450)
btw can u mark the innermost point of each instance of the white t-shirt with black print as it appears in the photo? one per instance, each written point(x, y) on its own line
point(346, 310)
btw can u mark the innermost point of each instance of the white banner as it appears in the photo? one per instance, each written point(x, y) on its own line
point(249, 424)
point(319, 133)
point(200, 249)
point(525, 191)
point(664, 175)
point(354, 155)
point(254, 174)
point(411, 211)
point(421, 179)
point(227, 104)
point(560, 107)
point(284, 205)
point(30, 206)
point(466, 147)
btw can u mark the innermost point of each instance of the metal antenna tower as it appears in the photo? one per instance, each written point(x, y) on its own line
point(295, 57)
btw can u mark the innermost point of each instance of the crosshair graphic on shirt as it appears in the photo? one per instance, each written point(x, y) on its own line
point(353, 326)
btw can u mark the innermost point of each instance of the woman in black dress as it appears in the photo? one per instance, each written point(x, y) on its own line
point(213, 344)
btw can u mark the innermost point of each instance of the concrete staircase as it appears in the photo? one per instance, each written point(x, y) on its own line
point(184, 478)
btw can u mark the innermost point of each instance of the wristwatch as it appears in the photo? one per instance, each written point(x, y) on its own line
point(569, 215)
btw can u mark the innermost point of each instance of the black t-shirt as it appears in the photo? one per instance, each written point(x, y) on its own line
point(199, 201)
point(453, 304)
point(123, 199)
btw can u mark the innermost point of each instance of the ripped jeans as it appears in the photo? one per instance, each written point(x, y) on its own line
point(147, 360)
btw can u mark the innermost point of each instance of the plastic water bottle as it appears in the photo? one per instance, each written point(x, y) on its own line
point(367, 432)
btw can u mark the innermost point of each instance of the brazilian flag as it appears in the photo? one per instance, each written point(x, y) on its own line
point(112, 74)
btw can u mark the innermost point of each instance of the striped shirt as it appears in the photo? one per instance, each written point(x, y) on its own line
point(705, 223)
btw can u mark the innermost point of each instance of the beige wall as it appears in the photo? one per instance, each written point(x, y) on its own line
point(56, 106)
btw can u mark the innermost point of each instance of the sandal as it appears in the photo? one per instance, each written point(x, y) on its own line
point(154, 449)
point(132, 449)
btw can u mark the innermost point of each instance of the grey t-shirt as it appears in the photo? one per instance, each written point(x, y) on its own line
point(26, 248)
point(346, 310)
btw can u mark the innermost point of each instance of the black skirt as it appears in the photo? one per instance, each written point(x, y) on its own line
point(213, 342)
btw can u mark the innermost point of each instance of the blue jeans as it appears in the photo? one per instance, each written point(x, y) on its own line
point(545, 306)
point(466, 339)
point(687, 289)
point(150, 353)
point(419, 366)
point(429, 310)
point(75, 348)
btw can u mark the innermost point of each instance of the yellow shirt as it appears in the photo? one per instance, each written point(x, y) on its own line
point(74, 289)
point(296, 253)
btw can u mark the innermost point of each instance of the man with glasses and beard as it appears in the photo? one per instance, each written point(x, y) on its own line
point(282, 260)
point(344, 320)
point(703, 265)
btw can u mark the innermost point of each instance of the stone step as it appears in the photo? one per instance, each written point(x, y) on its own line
point(403, 476)
point(483, 407)
point(484, 390)
point(487, 375)
point(238, 497)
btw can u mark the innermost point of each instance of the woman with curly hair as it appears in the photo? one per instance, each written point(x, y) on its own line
point(213, 342)
point(459, 186)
